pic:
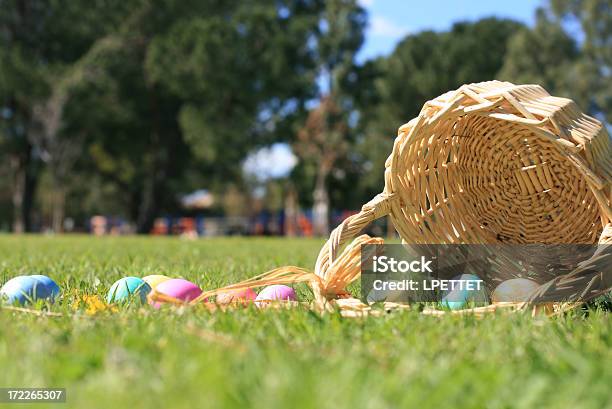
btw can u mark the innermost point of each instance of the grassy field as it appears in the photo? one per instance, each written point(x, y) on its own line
point(140, 357)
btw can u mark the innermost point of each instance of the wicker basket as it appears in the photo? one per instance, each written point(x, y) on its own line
point(491, 162)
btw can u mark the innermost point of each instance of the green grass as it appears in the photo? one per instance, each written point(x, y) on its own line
point(140, 357)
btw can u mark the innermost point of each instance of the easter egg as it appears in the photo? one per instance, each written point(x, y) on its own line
point(377, 296)
point(128, 288)
point(179, 288)
point(19, 289)
point(276, 293)
point(465, 292)
point(47, 289)
point(514, 290)
point(155, 279)
point(385, 295)
point(243, 296)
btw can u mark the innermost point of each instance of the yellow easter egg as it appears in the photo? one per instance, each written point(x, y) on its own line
point(155, 279)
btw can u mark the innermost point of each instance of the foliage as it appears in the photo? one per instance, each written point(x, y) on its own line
point(567, 52)
point(254, 64)
point(324, 135)
point(593, 77)
point(47, 50)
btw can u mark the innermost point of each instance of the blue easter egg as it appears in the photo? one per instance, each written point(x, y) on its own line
point(19, 290)
point(47, 289)
point(126, 288)
point(465, 292)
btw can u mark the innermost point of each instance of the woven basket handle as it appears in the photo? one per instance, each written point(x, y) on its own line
point(579, 285)
point(376, 208)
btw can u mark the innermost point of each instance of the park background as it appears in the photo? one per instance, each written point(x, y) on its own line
point(267, 117)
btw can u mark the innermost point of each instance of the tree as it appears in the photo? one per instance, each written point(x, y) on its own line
point(47, 50)
point(593, 71)
point(568, 53)
point(132, 134)
point(19, 83)
point(195, 87)
point(57, 150)
point(245, 74)
point(325, 137)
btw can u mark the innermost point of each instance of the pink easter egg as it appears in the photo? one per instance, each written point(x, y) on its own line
point(276, 293)
point(178, 288)
point(243, 296)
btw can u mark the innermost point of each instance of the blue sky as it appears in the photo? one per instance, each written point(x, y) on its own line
point(389, 22)
point(392, 20)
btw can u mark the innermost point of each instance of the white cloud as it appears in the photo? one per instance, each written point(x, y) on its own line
point(271, 162)
point(366, 3)
point(382, 27)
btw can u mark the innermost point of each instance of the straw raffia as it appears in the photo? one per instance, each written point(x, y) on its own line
point(491, 162)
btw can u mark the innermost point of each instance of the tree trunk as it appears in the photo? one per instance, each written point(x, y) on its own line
point(59, 206)
point(24, 185)
point(18, 194)
point(149, 205)
point(291, 212)
point(153, 188)
point(320, 210)
point(31, 180)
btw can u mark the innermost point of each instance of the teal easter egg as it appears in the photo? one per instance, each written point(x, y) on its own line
point(19, 290)
point(128, 288)
point(467, 289)
point(47, 289)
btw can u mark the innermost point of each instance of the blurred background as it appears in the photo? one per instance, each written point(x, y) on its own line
point(267, 117)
